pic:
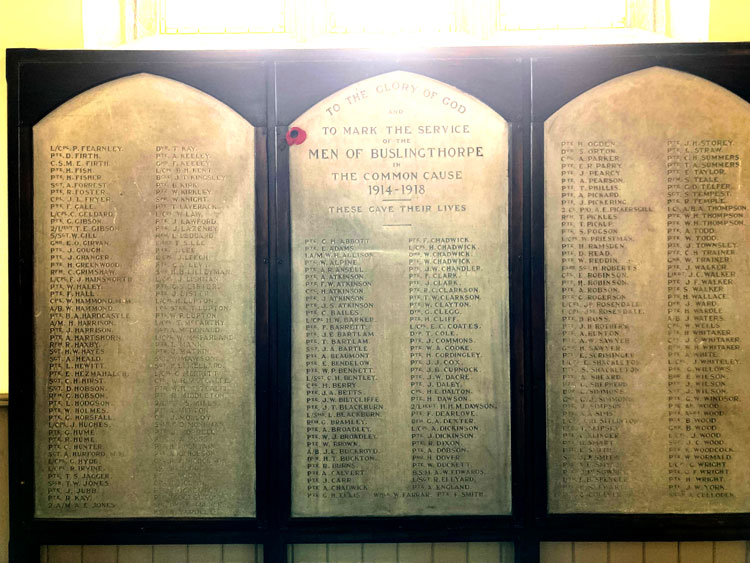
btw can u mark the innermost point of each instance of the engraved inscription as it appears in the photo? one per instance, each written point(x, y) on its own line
point(144, 277)
point(400, 299)
point(645, 278)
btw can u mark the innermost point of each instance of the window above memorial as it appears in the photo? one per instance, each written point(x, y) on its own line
point(220, 16)
point(195, 24)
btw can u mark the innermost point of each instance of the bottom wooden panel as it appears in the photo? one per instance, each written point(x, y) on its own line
point(4, 480)
point(648, 552)
point(444, 552)
point(230, 553)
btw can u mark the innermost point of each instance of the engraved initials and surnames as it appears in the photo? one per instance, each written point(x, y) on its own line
point(144, 304)
point(645, 222)
point(400, 334)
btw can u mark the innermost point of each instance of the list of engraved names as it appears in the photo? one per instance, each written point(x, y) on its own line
point(85, 319)
point(646, 337)
point(141, 364)
point(400, 363)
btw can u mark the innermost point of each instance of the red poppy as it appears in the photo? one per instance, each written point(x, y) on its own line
point(295, 136)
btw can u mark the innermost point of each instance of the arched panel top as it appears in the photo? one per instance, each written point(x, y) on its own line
point(422, 97)
point(143, 93)
point(655, 94)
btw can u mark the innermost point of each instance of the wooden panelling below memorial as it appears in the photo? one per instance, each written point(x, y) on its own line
point(4, 501)
point(648, 552)
point(459, 552)
point(229, 553)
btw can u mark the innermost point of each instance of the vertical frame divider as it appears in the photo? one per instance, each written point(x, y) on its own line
point(527, 548)
point(263, 372)
point(23, 544)
point(536, 310)
point(279, 474)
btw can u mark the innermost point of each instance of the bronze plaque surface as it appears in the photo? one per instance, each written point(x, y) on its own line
point(647, 277)
point(144, 280)
point(400, 377)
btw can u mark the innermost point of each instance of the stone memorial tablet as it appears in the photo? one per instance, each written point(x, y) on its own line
point(144, 286)
point(400, 362)
point(647, 278)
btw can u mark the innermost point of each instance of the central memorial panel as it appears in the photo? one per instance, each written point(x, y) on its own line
point(400, 360)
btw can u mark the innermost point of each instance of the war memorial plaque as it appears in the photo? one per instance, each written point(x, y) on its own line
point(144, 280)
point(647, 277)
point(400, 362)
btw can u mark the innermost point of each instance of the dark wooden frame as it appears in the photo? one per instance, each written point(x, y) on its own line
point(270, 89)
point(558, 78)
point(325, 78)
point(36, 85)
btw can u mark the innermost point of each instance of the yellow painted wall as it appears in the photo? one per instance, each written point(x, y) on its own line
point(46, 24)
point(729, 20)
